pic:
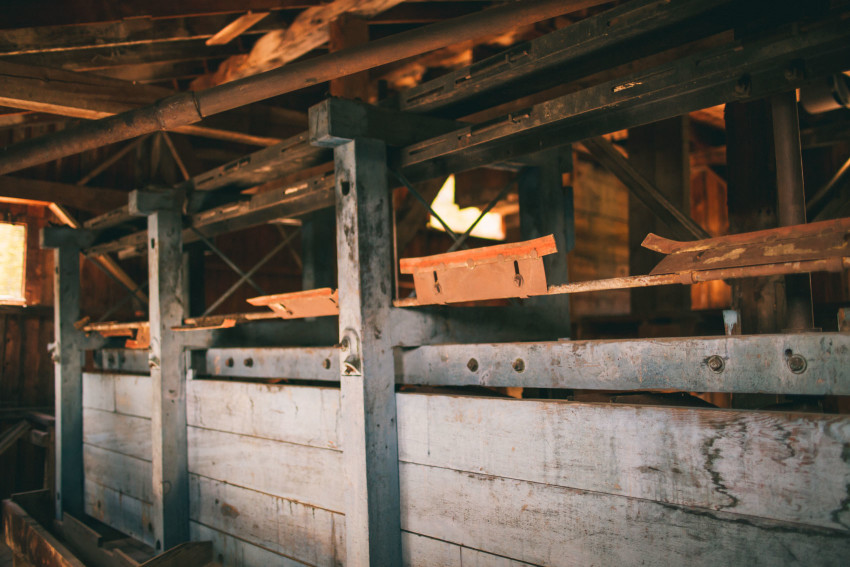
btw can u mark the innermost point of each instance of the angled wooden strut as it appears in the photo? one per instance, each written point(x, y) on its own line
point(300, 304)
point(484, 273)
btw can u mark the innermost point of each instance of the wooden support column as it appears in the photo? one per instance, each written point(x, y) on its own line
point(170, 513)
point(546, 207)
point(349, 30)
point(752, 206)
point(659, 151)
point(317, 249)
point(67, 358)
point(370, 442)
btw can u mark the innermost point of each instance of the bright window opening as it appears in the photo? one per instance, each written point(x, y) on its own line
point(492, 226)
point(13, 246)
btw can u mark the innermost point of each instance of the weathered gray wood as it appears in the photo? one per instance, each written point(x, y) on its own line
point(753, 363)
point(421, 551)
point(99, 391)
point(127, 394)
point(125, 434)
point(295, 472)
point(299, 363)
point(294, 414)
point(68, 380)
point(120, 511)
point(128, 475)
point(789, 467)
point(312, 535)
point(235, 552)
point(364, 236)
point(168, 379)
point(555, 526)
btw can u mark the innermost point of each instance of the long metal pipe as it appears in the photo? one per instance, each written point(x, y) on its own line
point(791, 201)
point(188, 108)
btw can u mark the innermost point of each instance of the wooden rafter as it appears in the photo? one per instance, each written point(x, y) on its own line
point(309, 31)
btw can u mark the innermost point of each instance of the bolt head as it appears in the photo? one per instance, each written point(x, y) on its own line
point(715, 363)
point(518, 365)
point(797, 364)
point(472, 365)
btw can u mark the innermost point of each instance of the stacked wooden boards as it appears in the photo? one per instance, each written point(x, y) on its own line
point(117, 451)
point(507, 482)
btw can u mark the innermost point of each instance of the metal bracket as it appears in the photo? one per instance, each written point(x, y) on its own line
point(350, 354)
point(494, 272)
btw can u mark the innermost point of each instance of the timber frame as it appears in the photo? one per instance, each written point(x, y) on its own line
point(345, 161)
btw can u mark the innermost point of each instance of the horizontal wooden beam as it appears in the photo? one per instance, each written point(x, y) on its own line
point(94, 199)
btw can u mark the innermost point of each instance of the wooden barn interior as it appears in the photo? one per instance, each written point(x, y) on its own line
point(424, 283)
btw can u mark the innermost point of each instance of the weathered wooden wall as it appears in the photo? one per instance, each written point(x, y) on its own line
point(562, 483)
point(486, 481)
point(117, 451)
point(265, 473)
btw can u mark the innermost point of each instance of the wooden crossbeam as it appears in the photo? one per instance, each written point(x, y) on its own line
point(95, 199)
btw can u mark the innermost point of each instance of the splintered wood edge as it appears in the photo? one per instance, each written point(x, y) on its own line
point(266, 300)
point(501, 252)
point(668, 246)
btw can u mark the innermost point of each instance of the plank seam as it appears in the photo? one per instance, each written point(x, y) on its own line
point(265, 438)
point(249, 542)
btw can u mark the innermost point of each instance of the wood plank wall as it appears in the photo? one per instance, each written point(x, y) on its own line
point(563, 483)
point(266, 483)
point(117, 451)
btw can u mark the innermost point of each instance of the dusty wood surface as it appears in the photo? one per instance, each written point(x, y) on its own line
point(190, 554)
point(293, 414)
point(311, 535)
point(788, 467)
point(232, 551)
point(551, 525)
point(296, 472)
point(27, 538)
point(120, 511)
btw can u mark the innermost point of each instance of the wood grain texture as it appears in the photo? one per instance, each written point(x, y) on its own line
point(311, 535)
point(421, 551)
point(234, 552)
point(120, 511)
point(790, 467)
point(128, 475)
point(295, 414)
point(295, 472)
point(125, 434)
point(556, 526)
point(128, 394)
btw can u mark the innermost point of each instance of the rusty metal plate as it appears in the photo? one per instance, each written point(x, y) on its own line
point(300, 304)
point(815, 241)
point(493, 272)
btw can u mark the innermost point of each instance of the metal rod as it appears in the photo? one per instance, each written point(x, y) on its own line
point(422, 200)
point(227, 260)
point(118, 305)
point(791, 201)
point(827, 189)
point(459, 242)
point(251, 272)
point(188, 108)
point(96, 260)
point(176, 156)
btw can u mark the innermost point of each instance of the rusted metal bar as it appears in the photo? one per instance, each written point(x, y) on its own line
point(187, 108)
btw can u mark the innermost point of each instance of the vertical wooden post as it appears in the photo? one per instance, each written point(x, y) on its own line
point(317, 246)
point(68, 366)
point(751, 195)
point(660, 152)
point(170, 514)
point(346, 31)
point(370, 442)
point(546, 207)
